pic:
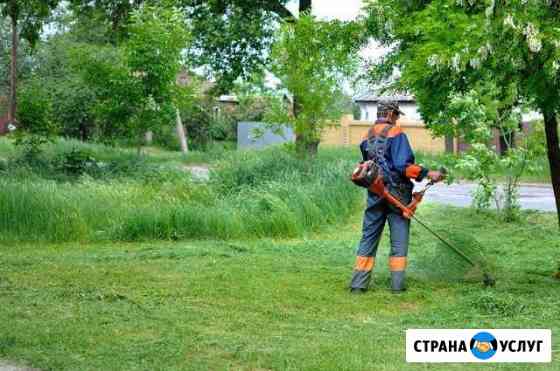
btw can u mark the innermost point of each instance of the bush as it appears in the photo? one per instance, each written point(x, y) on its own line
point(35, 112)
point(77, 162)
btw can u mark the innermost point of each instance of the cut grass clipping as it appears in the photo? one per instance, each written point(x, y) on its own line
point(472, 262)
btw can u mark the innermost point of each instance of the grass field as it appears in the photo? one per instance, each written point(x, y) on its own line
point(133, 265)
point(266, 304)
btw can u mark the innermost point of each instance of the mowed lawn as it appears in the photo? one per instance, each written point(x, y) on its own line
point(266, 304)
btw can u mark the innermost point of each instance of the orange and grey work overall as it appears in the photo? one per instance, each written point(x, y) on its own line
point(390, 144)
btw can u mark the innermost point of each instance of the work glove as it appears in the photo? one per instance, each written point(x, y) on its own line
point(436, 175)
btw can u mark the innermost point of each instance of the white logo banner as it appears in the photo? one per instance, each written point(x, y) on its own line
point(435, 345)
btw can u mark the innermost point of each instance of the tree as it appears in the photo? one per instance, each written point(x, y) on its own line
point(157, 37)
point(27, 18)
point(230, 37)
point(445, 47)
point(23, 62)
point(476, 120)
point(312, 59)
point(135, 82)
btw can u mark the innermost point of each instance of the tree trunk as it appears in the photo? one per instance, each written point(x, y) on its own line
point(181, 133)
point(304, 147)
point(553, 151)
point(149, 137)
point(13, 73)
point(307, 149)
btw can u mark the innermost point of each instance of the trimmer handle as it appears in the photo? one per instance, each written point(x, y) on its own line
point(378, 187)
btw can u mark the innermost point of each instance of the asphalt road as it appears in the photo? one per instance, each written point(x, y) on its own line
point(531, 196)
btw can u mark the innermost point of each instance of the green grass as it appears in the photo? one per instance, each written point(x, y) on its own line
point(106, 153)
point(265, 304)
point(250, 194)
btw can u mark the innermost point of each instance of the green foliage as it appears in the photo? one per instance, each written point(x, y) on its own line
point(255, 100)
point(30, 14)
point(153, 50)
point(31, 150)
point(77, 162)
point(203, 124)
point(312, 59)
point(231, 39)
point(475, 122)
point(222, 127)
point(117, 93)
point(135, 84)
point(35, 111)
point(59, 66)
point(36, 122)
point(153, 57)
point(446, 263)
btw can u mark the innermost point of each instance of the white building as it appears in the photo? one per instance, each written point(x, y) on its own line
point(407, 104)
point(412, 117)
point(368, 107)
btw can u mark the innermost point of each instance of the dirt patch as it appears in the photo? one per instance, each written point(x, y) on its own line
point(199, 172)
point(8, 366)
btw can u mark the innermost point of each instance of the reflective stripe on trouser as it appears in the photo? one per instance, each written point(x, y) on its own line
point(375, 215)
point(362, 271)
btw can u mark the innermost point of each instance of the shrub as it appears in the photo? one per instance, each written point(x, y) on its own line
point(77, 162)
point(35, 112)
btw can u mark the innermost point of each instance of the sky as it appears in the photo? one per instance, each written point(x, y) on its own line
point(344, 10)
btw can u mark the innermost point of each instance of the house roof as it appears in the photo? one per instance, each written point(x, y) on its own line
point(376, 98)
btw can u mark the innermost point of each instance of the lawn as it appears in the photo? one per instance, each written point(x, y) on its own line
point(260, 304)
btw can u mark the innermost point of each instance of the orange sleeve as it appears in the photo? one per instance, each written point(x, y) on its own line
point(413, 171)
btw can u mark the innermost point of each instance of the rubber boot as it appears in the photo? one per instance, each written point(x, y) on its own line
point(397, 282)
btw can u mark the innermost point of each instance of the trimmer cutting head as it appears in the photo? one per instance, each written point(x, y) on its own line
point(460, 256)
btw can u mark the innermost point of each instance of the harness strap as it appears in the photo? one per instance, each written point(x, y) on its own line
point(376, 146)
point(383, 134)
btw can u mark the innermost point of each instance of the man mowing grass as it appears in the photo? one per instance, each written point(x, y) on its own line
point(388, 146)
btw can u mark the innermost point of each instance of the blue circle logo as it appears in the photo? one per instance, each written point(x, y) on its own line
point(483, 345)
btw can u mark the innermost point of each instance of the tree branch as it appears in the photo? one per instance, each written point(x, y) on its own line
point(278, 8)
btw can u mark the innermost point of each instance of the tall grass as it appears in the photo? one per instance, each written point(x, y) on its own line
point(250, 194)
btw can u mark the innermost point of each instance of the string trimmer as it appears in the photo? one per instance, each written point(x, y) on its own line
point(408, 211)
